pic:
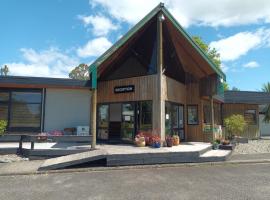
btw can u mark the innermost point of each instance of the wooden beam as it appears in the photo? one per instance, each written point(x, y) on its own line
point(158, 102)
point(94, 118)
point(212, 117)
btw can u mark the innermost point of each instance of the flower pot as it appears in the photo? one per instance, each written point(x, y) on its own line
point(169, 142)
point(176, 140)
point(156, 145)
point(140, 142)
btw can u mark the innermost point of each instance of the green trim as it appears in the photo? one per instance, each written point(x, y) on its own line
point(141, 23)
point(188, 37)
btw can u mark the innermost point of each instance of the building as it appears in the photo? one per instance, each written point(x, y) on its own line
point(34, 105)
point(251, 105)
point(155, 78)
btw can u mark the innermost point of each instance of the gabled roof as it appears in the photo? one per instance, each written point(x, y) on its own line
point(246, 97)
point(140, 24)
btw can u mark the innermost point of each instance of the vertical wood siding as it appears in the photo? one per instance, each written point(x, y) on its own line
point(251, 131)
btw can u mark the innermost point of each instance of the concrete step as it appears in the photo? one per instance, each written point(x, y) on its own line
point(73, 159)
point(215, 156)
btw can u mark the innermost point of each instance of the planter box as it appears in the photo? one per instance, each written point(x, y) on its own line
point(227, 147)
point(241, 140)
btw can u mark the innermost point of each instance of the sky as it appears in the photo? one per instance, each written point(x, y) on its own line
point(49, 38)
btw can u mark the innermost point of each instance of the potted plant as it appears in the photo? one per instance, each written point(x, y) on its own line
point(3, 126)
point(176, 140)
point(140, 140)
point(169, 141)
point(225, 142)
point(235, 125)
point(156, 141)
point(215, 145)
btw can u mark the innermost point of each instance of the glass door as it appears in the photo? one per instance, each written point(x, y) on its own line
point(103, 122)
point(128, 119)
point(174, 119)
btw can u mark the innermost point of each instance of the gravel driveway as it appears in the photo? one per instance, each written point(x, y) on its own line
point(11, 158)
point(253, 147)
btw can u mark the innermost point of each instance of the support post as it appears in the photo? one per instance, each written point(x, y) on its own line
point(158, 101)
point(212, 117)
point(94, 118)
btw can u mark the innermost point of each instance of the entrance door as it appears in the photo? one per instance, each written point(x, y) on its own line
point(175, 119)
point(128, 121)
point(115, 121)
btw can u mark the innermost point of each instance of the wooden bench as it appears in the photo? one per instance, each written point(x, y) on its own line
point(41, 138)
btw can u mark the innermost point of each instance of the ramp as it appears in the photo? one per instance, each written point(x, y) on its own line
point(73, 159)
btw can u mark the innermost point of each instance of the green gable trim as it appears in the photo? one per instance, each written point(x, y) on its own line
point(141, 23)
point(187, 36)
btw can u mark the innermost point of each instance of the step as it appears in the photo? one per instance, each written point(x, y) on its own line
point(215, 155)
point(73, 159)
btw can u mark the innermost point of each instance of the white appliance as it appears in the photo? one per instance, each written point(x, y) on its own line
point(82, 130)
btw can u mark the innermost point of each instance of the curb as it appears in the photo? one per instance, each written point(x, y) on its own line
point(140, 167)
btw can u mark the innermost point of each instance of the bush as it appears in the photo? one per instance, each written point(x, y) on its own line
point(3, 126)
point(235, 124)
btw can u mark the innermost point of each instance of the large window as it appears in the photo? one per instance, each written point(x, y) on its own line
point(207, 113)
point(251, 117)
point(192, 115)
point(22, 109)
point(25, 109)
point(103, 121)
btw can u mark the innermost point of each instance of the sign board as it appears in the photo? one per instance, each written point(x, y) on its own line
point(124, 89)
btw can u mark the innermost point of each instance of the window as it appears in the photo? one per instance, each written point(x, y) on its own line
point(250, 117)
point(192, 115)
point(103, 121)
point(145, 115)
point(25, 110)
point(207, 113)
point(21, 108)
point(4, 99)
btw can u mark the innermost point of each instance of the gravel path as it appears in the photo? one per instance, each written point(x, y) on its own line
point(253, 147)
point(11, 158)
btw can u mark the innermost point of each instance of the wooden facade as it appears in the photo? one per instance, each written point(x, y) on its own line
point(252, 130)
point(163, 65)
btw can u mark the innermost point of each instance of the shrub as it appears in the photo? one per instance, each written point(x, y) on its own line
point(3, 126)
point(235, 124)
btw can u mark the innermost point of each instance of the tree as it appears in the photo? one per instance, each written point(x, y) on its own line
point(235, 125)
point(4, 71)
point(266, 88)
point(212, 54)
point(235, 89)
point(80, 72)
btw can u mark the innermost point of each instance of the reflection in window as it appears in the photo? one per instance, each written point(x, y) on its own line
point(145, 115)
point(127, 121)
point(192, 111)
point(250, 117)
point(103, 122)
point(25, 110)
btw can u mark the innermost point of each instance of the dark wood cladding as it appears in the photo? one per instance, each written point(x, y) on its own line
point(251, 131)
point(144, 89)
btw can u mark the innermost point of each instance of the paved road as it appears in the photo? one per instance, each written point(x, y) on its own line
point(197, 182)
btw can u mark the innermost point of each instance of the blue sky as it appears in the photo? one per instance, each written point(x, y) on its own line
point(49, 38)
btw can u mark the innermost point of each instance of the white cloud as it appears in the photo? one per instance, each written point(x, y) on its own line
point(100, 25)
point(94, 47)
point(251, 64)
point(45, 63)
point(203, 12)
point(235, 46)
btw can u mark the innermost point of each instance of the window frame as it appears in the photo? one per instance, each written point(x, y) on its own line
point(255, 116)
point(197, 112)
point(10, 102)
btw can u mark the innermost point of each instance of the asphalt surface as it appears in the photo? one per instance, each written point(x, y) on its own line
point(238, 181)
